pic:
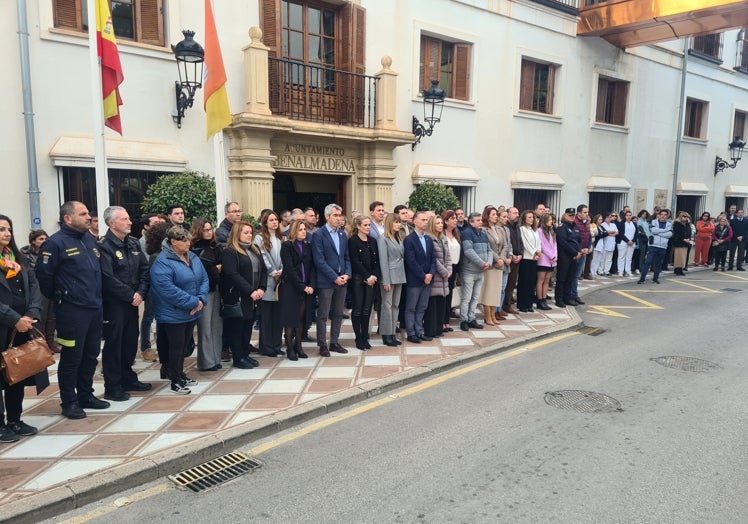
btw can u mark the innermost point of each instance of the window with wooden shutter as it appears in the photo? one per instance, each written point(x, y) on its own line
point(136, 20)
point(738, 125)
point(447, 62)
point(612, 97)
point(694, 118)
point(537, 84)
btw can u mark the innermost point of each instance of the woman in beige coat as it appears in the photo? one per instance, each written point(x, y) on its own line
point(490, 293)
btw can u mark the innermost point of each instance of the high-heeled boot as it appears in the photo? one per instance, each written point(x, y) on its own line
point(290, 346)
point(488, 315)
point(297, 343)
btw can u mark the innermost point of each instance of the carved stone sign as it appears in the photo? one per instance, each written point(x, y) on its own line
point(313, 158)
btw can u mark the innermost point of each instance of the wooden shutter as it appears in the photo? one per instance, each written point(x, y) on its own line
point(270, 14)
point(430, 61)
point(68, 14)
point(149, 21)
point(620, 96)
point(352, 38)
point(526, 85)
point(461, 76)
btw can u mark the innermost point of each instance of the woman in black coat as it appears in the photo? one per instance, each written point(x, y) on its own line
point(366, 273)
point(296, 291)
point(20, 308)
point(243, 282)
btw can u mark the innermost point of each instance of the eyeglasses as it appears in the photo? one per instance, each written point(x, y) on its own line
point(235, 210)
point(207, 229)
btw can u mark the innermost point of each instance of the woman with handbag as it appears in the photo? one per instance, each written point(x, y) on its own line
point(432, 320)
point(721, 237)
point(209, 325)
point(269, 242)
point(179, 285)
point(243, 284)
point(296, 293)
point(20, 308)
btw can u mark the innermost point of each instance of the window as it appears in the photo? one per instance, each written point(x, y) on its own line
point(447, 62)
point(738, 125)
point(695, 118)
point(317, 33)
point(741, 63)
point(136, 20)
point(612, 96)
point(536, 87)
point(707, 46)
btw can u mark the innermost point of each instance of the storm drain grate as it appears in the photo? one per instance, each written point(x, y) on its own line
point(214, 472)
point(730, 289)
point(696, 365)
point(591, 331)
point(582, 401)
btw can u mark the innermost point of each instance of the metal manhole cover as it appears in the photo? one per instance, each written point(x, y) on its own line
point(582, 401)
point(696, 365)
point(730, 289)
point(214, 472)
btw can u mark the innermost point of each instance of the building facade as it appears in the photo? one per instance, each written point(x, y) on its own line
point(323, 94)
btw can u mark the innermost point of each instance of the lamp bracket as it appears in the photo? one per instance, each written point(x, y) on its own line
point(419, 130)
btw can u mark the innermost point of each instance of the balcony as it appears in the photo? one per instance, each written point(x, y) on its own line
point(320, 94)
point(741, 62)
point(628, 23)
point(708, 47)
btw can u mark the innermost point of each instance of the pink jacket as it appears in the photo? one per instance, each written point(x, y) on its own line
point(548, 250)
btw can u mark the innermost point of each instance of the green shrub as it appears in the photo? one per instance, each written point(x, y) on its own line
point(433, 196)
point(193, 190)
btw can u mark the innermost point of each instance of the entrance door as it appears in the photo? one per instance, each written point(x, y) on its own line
point(309, 190)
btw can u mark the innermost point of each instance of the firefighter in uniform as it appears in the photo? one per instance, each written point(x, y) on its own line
point(126, 277)
point(69, 273)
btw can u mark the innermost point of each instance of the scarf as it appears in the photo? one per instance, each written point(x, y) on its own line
point(8, 264)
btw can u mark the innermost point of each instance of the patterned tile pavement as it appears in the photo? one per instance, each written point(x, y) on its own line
point(153, 421)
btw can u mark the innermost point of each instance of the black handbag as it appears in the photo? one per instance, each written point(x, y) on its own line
point(232, 310)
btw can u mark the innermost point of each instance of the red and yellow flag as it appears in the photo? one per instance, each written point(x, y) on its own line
point(216, 104)
point(111, 69)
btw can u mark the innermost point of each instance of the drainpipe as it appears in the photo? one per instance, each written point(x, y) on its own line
point(28, 117)
point(678, 138)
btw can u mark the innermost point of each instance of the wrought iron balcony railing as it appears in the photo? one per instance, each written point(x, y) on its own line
point(321, 94)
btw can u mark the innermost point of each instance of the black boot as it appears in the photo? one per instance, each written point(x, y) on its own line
point(356, 322)
point(389, 340)
point(364, 327)
point(290, 345)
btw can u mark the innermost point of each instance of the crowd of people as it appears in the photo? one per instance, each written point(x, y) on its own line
point(290, 272)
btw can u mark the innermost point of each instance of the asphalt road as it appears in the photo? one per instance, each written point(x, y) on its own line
point(482, 444)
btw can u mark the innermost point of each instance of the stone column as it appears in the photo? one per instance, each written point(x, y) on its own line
point(386, 96)
point(375, 176)
point(251, 169)
point(256, 81)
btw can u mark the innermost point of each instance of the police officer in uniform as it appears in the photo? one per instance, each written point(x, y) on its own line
point(126, 277)
point(69, 273)
point(569, 243)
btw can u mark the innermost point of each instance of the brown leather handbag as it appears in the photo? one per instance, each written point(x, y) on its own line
point(18, 363)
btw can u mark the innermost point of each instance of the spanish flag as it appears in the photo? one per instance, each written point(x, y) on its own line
point(111, 69)
point(217, 114)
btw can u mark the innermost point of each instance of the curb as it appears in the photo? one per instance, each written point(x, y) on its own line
point(83, 491)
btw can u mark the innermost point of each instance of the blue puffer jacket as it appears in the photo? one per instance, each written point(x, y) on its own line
point(177, 287)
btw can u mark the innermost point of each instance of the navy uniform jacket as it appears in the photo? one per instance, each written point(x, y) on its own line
point(417, 262)
point(68, 269)
point(568, 239)
point(124, 268)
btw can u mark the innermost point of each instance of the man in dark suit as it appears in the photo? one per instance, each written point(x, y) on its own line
point(420, 266)
point(333, 265)
point(739, 226)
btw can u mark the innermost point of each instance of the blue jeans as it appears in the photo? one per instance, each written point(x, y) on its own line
point(655, 256)
point(469, 293)
point(416, 301)
point(575, 282)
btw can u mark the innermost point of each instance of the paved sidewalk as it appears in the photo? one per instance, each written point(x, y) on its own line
point(71, 463)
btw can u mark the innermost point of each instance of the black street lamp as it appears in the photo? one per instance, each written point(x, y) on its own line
point(433, 103)
point(736, 153)
point(190, 57)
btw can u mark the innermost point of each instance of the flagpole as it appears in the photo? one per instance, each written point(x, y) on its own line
point(219, 170)
point(102, 179)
